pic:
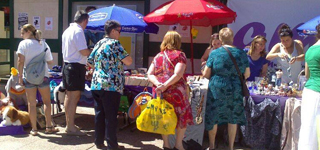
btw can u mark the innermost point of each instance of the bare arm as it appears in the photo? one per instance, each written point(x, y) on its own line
point(274, 53)
point(85, 52)
point(307, 71)
point(50, 62)
point(247, 73)
point(206, 72)
point(205, 55)
point(264, 70)
point(152, 78)
point(21, 60)
point(300, 50)
point(178, 74)
point(127, 61)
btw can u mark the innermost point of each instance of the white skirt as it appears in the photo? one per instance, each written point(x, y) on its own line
point(310, 109)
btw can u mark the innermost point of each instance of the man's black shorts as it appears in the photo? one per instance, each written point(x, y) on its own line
point(73, 75)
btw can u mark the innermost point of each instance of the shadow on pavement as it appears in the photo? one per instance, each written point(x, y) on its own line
point(129, 137)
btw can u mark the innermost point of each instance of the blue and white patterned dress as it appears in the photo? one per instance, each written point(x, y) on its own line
point(225, 99)
point(108, 68)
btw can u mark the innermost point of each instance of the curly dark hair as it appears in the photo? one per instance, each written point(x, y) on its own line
point(285, 30)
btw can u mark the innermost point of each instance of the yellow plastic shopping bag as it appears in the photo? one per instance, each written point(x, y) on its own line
point(158, 117)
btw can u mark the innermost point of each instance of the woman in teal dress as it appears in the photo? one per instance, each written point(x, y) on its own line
point(224, 98)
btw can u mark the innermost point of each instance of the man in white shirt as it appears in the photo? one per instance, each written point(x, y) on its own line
point(75, 52)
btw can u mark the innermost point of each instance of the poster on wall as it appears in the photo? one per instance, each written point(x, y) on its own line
point(36, 22)
point(184, 31)
point(173, 27)
point(22, 19)
point(48, 23)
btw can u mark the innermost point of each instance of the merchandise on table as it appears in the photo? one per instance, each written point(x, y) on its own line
point(262, 87)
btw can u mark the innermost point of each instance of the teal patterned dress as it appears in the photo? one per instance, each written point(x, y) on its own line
point(225, 99)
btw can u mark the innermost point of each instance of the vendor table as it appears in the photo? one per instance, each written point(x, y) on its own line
point(196, 131)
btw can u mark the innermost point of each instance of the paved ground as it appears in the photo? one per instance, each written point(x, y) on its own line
point(131, 140)
point(85, 119)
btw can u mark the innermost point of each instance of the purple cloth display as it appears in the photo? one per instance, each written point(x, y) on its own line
point(256, 67)
point(12, 130)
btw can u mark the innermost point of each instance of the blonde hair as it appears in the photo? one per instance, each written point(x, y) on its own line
point(226, 35)
point(214, 36)
point(256, 39)
point(172, 40)
point(36, 33)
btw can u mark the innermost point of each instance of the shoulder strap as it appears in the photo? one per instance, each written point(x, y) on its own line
point(44, 46)
point(171, 62)
point(235, 63)
point(168, 58)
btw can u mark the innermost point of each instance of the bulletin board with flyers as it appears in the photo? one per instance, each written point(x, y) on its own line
point(41, 13)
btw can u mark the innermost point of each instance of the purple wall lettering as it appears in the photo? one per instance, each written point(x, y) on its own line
point(259, 29)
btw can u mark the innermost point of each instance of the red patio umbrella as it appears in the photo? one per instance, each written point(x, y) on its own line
point(192, 13)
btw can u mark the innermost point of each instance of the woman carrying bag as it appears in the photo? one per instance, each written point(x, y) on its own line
point(166, 73)
point(225, 90)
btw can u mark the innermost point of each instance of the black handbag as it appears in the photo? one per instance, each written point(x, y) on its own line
point(245, 90)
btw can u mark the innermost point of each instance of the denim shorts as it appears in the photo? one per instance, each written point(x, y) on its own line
point(45, 83)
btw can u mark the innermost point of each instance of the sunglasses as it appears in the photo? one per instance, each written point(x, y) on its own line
point(215, 36)
point(285, 34)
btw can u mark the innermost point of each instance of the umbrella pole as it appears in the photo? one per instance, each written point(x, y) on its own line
point(191, 42)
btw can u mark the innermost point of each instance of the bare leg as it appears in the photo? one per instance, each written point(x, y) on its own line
point(32, 105)
point(45, 94)
point(232, 130)
point(180, 135)
point(71, 102)
point(212, 136)
point(165, 139)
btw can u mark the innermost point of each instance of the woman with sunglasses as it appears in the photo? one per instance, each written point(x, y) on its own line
point(289, 54)
point(257, 58)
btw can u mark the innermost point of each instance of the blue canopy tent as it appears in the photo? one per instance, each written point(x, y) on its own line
point(131, 21)
point(309, 27)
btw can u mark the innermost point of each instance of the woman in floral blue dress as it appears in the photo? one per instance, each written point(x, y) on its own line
point(224, 98)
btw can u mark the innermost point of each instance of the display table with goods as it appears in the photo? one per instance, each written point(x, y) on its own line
point(264, 114)
point(273, 113)
point(134, 84)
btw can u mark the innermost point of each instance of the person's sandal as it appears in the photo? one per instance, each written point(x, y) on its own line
point(76, 133)
point(50, 130)
point(34, 132)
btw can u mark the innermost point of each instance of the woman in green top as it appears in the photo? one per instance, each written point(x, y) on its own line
point(310, 106)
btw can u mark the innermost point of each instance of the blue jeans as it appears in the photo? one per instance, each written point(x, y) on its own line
point(106, 105)
point(278, 81)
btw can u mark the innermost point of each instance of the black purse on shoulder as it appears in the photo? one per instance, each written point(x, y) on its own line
point(245, 90)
